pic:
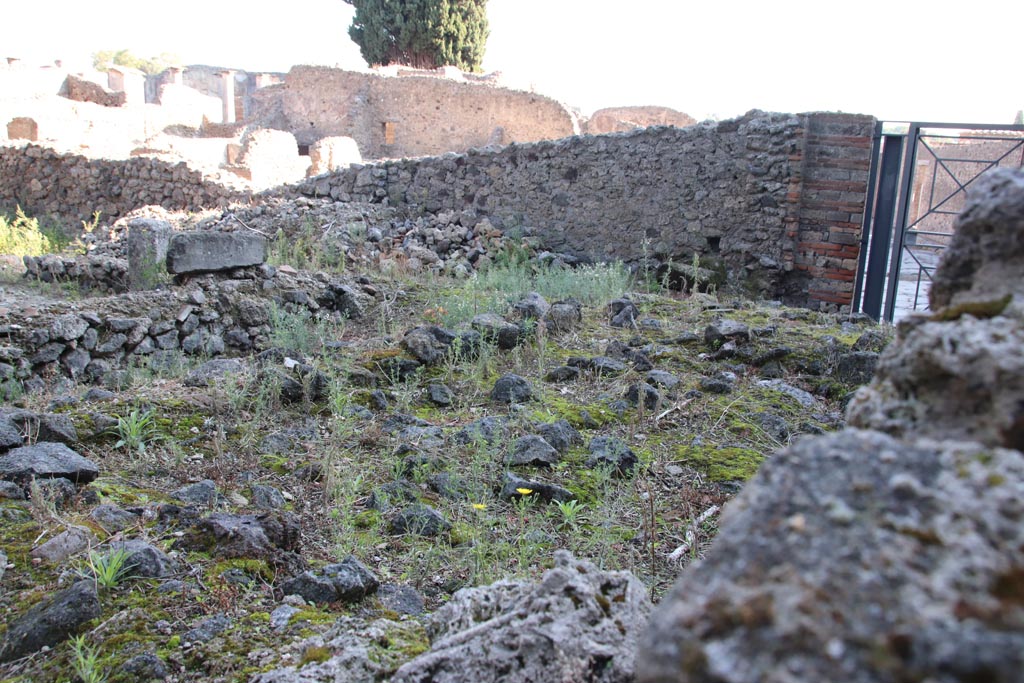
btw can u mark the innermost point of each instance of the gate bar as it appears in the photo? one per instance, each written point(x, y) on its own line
point(906, 186)
point(869, 210)
point(881, 230)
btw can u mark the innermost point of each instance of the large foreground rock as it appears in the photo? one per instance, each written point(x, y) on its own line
point(578, 624)
point(200, 252)
point(894, 552)
point(960, 375)
point(857, 557)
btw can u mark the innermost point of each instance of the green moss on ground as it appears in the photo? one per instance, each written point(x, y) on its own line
point(721, 464)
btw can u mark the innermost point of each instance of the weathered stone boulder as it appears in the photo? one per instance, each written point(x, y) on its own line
point(418, 519)
point(495, 329)
point(613, 453)
point(511, 388)
point(563, 316)
point(216, 371)
point(39, 427)
point(338, 296)
point(430, 344)
point(349, 581)
point(46, 460)
point(860, 554)
point(960, 374)
point(331, 153)
point(272, 536)
point(208, 251)
point(71, 541)
point(984, 263)
point(51, 621)
point(23, 128)
point(143, 560)
point(577, 624)
point(360, 653)
point(532, 450)
point(895, 552)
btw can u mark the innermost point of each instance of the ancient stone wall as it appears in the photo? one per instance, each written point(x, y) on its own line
point(71, 187)
point(407, 116)
point(773, 199)
point(622, 119)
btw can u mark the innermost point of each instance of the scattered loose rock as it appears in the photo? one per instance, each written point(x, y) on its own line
point(609, 451)
point(46, 460)
point(511, 389)
point(532, 450)
point(418, 519)
point(347, 581)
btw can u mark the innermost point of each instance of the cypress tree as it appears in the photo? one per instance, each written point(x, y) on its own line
point(421, 33)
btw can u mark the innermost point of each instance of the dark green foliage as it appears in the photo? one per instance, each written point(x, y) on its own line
point(421, 33)
point(103, 59)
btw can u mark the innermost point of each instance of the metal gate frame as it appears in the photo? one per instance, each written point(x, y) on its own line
point(884, 230)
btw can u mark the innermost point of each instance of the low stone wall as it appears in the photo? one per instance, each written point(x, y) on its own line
point(229, 312)
point(753, 196)
point(71, 187)
point(102, 274)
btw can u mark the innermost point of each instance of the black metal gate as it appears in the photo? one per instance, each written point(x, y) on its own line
point(920, 175)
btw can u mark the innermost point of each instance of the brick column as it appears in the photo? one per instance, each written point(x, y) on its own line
point(833, 188)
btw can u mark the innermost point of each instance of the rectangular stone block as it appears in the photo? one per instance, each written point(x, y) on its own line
point(203, 252)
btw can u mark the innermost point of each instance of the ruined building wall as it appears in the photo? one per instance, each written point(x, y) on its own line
point(71, 187)
point(407, 116)
point(774, 198)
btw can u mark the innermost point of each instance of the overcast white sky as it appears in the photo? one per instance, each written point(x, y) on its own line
point(895, 59)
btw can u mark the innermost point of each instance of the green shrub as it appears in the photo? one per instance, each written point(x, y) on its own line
point(23, 236)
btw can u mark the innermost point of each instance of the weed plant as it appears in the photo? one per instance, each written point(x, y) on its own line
point(136, 429)
point(301, 331)
point(85, 660)
point(307, 249)
point(110, 569)
point(499, 285)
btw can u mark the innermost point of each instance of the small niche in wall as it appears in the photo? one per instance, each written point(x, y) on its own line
point(303, 150)
point(714, 245)
point(389, 132)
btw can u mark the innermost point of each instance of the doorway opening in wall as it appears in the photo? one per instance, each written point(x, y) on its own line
point(920, 176)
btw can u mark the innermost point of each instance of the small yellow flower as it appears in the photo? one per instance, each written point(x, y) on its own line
point(524, 492)
point(479, 506)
